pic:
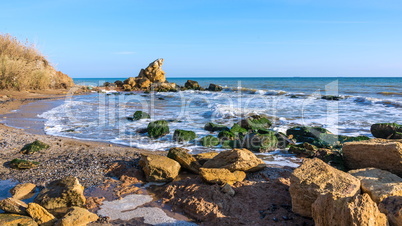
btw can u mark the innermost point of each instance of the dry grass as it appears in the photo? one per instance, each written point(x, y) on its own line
point(22, 66)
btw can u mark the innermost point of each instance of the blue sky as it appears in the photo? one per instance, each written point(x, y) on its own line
point(205, 38)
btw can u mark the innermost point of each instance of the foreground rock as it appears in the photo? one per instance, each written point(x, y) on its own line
point(77, 216)
point(357, 210)
point(186, 160)
point(21, 191)
point(392, 207)
point(377, 153)
point(236, 159)
point(314, 178)
point(221, 176)
point(12, 205)
point(40, 215)
point(379, 184)
point(159, 168)
point(62, 193)
point(16, 220)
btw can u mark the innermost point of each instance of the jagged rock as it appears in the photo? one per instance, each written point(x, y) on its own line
point(183, 135)
point(62, 193)
point(379, 184)
point(21, 191)
point(209, 141)
point(118, 83)
point(158, 128)
point(313, 178)
point(212, 127)
point(186, 160)
point(16, 220)
point(143, 83)
point(357, 210)
point(40, 215)
point(159, 168)
point(256, 122)
point(392, 207)
point(236, 159)
point(127, 87)
point(154, 72)
point(213, 87)
point(130, 81)
point(77, 216)
point(23, 164)
point(377, 153)
point(12, 205)
point(140, 115)
point(221, 176)
point(190, 84)
point(386, 130)
point(33, 147)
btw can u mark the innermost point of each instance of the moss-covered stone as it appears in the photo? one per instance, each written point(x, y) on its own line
point(183, 135)
point(140, 115)
point(209, 141)
point(158, 129)
point(226, 135)
point(33, 147)
point(238, 130)
point(256, 122)
point(260, 142)
point(215, 127)
point(23, 164)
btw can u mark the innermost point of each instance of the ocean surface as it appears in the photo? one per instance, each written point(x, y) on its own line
point(289, 101)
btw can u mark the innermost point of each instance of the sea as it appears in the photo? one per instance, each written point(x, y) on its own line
point(290, 101)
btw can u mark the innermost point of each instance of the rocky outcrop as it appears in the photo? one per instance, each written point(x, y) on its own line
point(392, 207)
point(159, 168)
point(214, 87)
point(62, 193)
point(186, 160)
point(40, 215)
point(16, 220)
point(21, 191)
point(256, 122)
point(190, 84)
point(314, 178)
point(377, 153)
point(357, 210)
point(236, 159)
point(153, 72)
point(12, 205)
point(77, 216)
point(221, 176)
point(379, 184)
point(386, 130)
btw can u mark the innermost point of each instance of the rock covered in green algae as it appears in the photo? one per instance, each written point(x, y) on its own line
point(23, 164)
point(140, 115)
point(158, 128)
point(212, 127)
point(183, 135)
point(33, 147)
point(186, 160)
point(209, 141)
point(386, 130)
point(260, 142)
point(256, 122)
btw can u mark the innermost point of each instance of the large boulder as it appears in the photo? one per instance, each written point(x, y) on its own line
point(379, 184)
point(392, 207)
point(377, 153)
point(12, 205)
point(357, 210)
point(21, 191)
point(386, 130)
point(153, 72)
point(158, 129)
point(186, 160)
point(236, 159)
point(159, 168)
point(256, 122)
point(130, 81)
point(143, 83)
point(40, 215)
point(16, 220)
point(190, 84)
point(221, 176)
point(183, 135)
point(314, 178)
point(62, 193)
point(77, 216)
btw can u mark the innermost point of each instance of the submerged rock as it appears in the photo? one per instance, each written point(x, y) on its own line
point(16, 220)
point(159, 168)
point(12, 205)
point(387, 130)
point(40, 215)
point(183, 135)
point(236, 159)
point(314, 178)
point(212, 127)
point(158, 128)
point(62, 193)
point(34, 147)
point(221, 176)
point(209, 141)
point(357, 210)
point(328, 97)
point(186, 160)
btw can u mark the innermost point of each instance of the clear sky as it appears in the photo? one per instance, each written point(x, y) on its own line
point(204, 38)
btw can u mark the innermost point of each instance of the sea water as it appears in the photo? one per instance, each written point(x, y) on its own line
point(288, 101)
